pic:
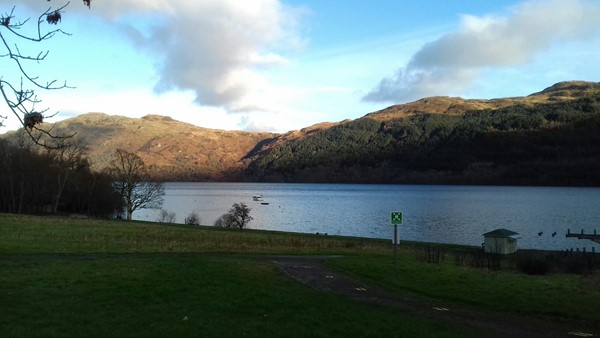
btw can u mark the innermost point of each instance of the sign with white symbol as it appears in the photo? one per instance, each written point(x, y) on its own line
point(396, 217)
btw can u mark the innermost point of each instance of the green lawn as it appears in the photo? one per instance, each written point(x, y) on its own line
point(183, 295)
point(556, 296)
point(61, 277)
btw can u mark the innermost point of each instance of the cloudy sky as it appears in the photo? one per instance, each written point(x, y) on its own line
point(280, 65)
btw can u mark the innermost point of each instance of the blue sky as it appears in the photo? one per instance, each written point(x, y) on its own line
point(277, 65)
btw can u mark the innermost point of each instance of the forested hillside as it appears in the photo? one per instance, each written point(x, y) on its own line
point(547, 138)
point(552, 143)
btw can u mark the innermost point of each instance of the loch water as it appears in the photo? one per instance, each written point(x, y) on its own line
point(432, 213)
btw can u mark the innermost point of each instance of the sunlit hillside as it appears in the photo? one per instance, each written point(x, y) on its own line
point(549, 138)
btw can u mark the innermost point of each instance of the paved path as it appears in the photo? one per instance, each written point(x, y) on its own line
point(313, 272)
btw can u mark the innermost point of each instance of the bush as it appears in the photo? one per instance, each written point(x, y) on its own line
point(166, 217)
point(432, 254)
point(192, 219)
point(533, 264)
point(225, 221)
point(238, 216)
point(580, 263)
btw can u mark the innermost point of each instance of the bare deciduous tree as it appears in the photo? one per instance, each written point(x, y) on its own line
point(37, 180)
point(67, 158)
point(131, 181)
point(20, 94)
point(164, 216)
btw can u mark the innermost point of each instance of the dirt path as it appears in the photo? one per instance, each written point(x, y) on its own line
point(313, 272)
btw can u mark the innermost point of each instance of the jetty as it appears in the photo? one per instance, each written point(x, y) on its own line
point(594, 237)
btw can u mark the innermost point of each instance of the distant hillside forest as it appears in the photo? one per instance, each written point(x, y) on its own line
point(547, 138)
point(543, 144)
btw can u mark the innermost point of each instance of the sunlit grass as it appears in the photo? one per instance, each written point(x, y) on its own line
point(30, 234)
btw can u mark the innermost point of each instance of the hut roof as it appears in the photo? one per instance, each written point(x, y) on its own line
point(501, 233)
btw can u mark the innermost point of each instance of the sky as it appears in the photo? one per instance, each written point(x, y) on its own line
point(281, 65)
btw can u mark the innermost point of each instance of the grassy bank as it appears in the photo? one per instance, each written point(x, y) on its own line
point(30, 235)
point(65, 277)
point(555, 297)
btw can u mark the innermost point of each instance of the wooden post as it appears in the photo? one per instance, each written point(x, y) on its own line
point(395, 246)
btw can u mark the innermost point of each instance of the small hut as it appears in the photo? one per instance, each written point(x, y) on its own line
point(500, 241)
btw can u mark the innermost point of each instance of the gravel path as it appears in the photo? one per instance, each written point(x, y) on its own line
point(313, 272)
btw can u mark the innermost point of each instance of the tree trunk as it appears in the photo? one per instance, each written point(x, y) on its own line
point(21, 196)
point(61, 183)
point(129, 212)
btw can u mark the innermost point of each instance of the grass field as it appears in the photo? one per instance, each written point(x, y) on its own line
point(181, 296)
point(30, 235)
point(64, 277)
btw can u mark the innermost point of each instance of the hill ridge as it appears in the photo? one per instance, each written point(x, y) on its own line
point(180, 151)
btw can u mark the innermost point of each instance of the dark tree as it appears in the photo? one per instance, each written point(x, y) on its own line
point(66, 160)
point(39, 180)
point(237, 217)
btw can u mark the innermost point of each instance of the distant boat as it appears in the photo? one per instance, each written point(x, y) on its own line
point(257, 197)
point(264, 203)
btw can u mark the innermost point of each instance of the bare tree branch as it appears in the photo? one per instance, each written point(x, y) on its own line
point(21, 101)
point(130, 180)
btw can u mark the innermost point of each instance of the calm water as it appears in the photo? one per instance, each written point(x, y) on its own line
point(445, 214)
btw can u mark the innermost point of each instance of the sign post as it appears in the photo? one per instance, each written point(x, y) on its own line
point(396, 218)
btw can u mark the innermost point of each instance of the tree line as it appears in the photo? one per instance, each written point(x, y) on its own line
point(555, 143)
point(48, 172)
point(59, 180)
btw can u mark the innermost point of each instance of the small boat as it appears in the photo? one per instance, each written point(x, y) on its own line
point(264, 203)
point(257, 197)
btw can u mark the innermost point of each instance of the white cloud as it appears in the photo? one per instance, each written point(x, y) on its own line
point(213, 48)
point(450, 64)
point(218, 53)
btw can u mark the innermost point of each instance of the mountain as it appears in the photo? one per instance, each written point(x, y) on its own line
point(547, 138)
point(171, 149)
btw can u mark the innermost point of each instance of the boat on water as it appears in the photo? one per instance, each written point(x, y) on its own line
point(259, 198)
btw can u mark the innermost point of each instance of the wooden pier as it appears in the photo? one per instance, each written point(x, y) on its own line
point(593, 237)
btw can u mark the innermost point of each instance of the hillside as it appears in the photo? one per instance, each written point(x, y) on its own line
point(547, 138)
point(172, 150)
point(550, 138)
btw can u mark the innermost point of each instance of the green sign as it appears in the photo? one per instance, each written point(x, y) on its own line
point(396, 217)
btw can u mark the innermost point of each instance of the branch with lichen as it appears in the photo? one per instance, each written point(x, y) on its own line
point(22, 100)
